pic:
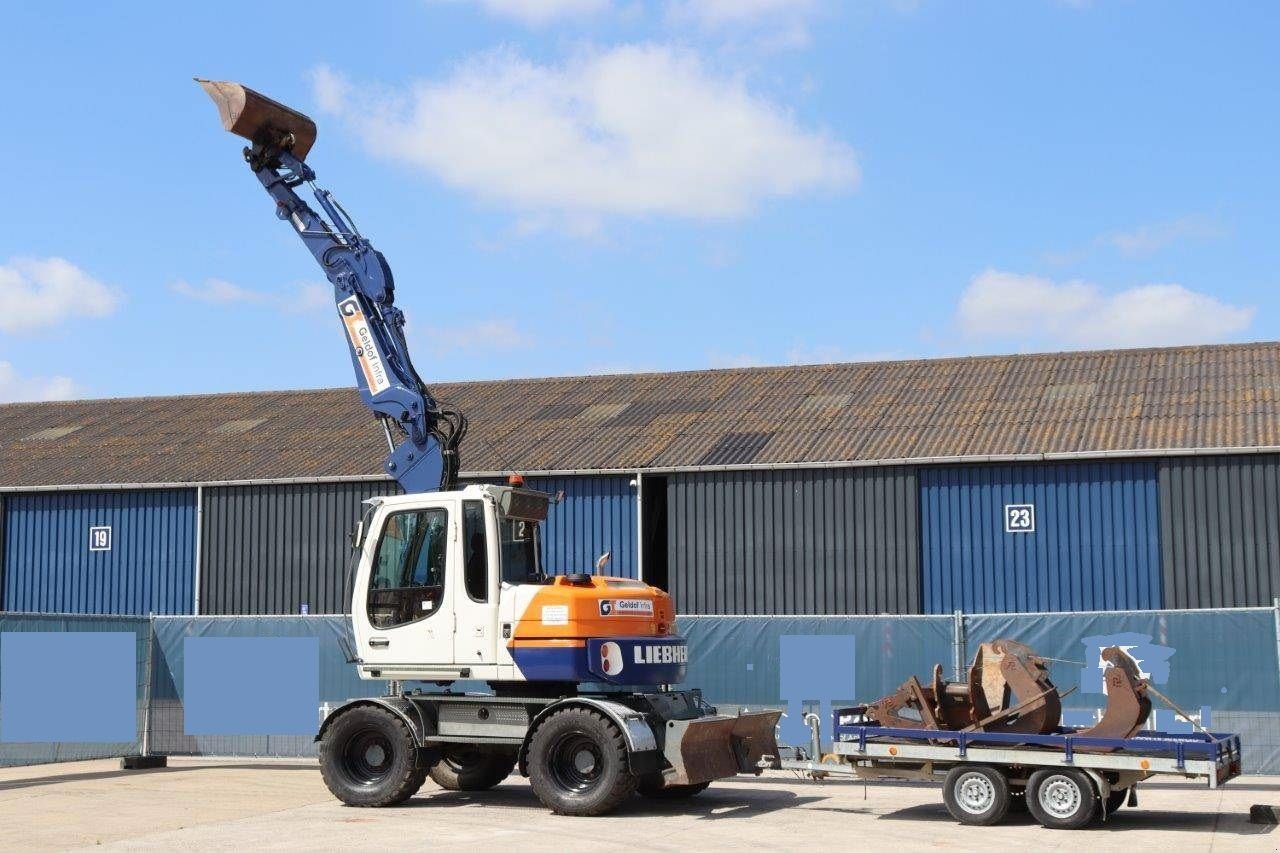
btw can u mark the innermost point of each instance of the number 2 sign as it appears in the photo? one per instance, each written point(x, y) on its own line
point(1019, 518)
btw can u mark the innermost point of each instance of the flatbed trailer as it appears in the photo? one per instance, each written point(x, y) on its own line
point(1066, 781)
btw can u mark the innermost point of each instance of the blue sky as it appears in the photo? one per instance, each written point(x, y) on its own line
point(583, 186)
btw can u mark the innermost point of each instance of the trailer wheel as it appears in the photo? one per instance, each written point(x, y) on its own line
point(1062, 798)
point(650, 785)
point(578, 763)
point(367, 758)
point(463, 767)
point(976, 795)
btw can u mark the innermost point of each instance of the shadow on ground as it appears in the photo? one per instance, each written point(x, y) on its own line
point(37, 781)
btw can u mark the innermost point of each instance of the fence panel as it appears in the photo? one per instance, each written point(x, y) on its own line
point(1217, 663)
point(44, 658)
point(335, 681)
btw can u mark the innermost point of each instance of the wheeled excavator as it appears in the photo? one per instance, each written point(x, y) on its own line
point(450, 586)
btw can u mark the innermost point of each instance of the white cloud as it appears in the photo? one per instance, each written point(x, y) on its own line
point(305, 297)
point(498, 335)
point(536, 13)
point(1147, 239)
point(15, 388)
point(1018, 308)
point(635, 131)
point(726, 13)
point(40, 292)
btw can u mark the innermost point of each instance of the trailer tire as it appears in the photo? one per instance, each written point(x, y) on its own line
point(464, 767)
point(650, 785)
point(577, 763)
point(976, 795)
point(1062, 798)
point(367, 758)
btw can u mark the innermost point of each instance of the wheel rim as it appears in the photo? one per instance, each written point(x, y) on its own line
point(576, 762)
point(1060, 797)
point(975, 793)
point(367, 757)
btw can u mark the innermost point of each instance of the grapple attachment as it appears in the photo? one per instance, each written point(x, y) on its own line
point(259, 119)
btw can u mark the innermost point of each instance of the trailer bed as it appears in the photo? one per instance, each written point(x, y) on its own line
point(1066, 779)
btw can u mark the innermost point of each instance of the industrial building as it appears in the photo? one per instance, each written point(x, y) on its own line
point(1131, 479)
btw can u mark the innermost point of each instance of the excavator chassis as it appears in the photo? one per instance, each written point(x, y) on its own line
point(583, 753)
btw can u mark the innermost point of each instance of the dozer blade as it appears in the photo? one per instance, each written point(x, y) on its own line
point(718, 746)
point(259, 119)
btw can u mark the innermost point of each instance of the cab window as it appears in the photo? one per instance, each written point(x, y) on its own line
point(521, 544)
point(475, 551)
point(407, 583)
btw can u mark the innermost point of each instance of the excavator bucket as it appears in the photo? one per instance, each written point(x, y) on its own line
point(719, 746)
point(1128, 705)
point(259, 119)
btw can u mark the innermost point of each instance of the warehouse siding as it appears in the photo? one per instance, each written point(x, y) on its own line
point(1220, 531)
point(149, 568)
point(1095, 544)
point(824, 541)
point(597, 514)
point(272, 549)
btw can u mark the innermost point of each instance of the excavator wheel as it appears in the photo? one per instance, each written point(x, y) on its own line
point(578, 763)
point(651, 786)
point(367, 758)
point(463, 767)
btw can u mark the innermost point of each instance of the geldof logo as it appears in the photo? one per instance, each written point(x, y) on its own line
point(1152, 659)
point(626, 607)
point(610, 658)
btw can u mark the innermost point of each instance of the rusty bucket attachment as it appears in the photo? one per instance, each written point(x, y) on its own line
point(1007, 690)
point(259, 119)
point(1128, 705)
point(718, 746)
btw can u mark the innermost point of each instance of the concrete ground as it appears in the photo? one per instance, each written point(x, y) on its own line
point(208, 804)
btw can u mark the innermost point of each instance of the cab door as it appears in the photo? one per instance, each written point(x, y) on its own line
point(402, 608)
point(476, 598)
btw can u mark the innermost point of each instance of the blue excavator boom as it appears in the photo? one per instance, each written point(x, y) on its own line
point(422, 435)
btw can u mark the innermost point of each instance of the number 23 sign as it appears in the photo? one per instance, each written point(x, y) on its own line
point(1019, 518)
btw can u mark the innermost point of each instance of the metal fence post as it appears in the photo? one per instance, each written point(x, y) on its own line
point(957, 645)
point(146, 687)
point(1275, 609)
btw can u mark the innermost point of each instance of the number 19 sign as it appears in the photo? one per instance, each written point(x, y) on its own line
point(100, 538)
point(1019, 518)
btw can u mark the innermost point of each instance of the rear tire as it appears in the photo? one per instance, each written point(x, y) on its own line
point(976, 795)
point(463, 767)
point(578, 763)
point(1062, 798)
point(651, 786)
point(367, 758)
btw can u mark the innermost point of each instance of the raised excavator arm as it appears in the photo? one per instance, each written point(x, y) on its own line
point(426, 457)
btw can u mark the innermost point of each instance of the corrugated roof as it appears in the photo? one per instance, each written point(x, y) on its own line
point(1209, 397)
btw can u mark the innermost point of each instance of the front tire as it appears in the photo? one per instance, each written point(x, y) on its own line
point(463, 767)
point(578, 763)
point(651, 786)
point(367, 758)
point(976, 795)
point(1062, 798)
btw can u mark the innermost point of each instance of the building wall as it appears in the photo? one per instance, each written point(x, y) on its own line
point(597, 514)
point(1220, 530)
point(48, 566)
point(817, 541)
point(1095, 545)
point(273, 549)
